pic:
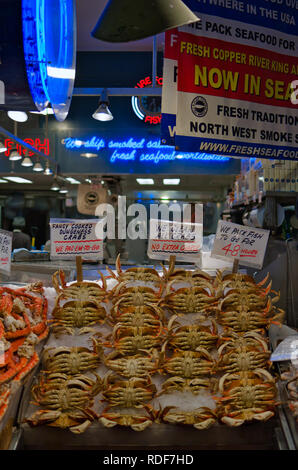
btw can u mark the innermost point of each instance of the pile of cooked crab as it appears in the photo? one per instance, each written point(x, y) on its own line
point(156, 335)
point(23, 325)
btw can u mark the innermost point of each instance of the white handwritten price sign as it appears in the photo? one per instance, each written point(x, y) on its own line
point(71, 237)
point(238, 242)
point(5, 251)
point(168, 238)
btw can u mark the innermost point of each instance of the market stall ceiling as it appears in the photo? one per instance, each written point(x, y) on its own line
point(88, 12)
point(189, 183)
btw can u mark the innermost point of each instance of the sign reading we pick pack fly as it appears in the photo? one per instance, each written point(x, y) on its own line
point(237, 86)
point(246, 244)
point(5, 251)
point(71, 237)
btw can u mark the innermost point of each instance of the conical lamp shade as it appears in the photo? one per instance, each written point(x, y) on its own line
point(130, 20)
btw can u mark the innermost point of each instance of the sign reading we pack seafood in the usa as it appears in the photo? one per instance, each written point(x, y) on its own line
point(239, 242)
point(237, 86)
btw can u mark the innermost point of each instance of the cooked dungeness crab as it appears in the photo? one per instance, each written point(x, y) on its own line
point(138, 365)
point(72, 360)
point(137, 296)
point(188, 300)
point(247, 396)
point(67, 401)
point(77, 314)
point(133, 340)
point(190, 337)
point(243, 312)
point(82, 291)
point(131, 393)
point(241, 282)
point(199, 418)
point(181, 384)
point(188, 364)
point(231, 340)
point(143, 274)
point(138, 316)
point(137, 422)
point(196, 278)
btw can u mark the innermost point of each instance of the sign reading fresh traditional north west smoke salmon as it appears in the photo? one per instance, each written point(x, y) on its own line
point(237, 84)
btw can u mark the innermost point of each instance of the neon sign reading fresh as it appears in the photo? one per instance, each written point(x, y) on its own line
point(134, 149)
point(40, 145)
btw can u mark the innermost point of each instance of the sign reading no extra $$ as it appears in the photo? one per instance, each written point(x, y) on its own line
point(246, 244)
point(5, 251)
point(70, 238)
point(168, 238)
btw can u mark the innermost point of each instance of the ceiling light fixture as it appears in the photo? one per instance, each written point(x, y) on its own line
point(17, 179)
point(103, 113)
point(18, 116)
point(55, 186)
point(14, 156)
point(89, 155)
point(173, 181)
point(2, 148)
point(38, 167)
point(145, 180)
point(72, 180)
point(3, 181)
point(27, 162)
point(63, 190)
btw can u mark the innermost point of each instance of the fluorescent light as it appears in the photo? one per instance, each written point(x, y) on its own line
point(56, 72)
point(3, 181)
point(27, 162)
point(18, 116)
point(89, 155)
point(72, 181)
point(17, 179)
point(165, 199)
point(14, 156)
point(171, 181)
point(145, 180)
point(2, 147)
point(103, 113)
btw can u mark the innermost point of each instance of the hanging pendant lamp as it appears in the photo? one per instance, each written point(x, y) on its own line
point(130, 20)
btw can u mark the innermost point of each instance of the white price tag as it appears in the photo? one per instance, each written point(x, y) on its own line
point(168, 238)
point(5, 251)
point(238, 242)
point(71, 237)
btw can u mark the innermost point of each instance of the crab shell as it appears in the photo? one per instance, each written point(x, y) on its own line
point(188, 364)
point(80, 290)
point(247, 396)
point(135, 274)
point(78, 314)
point(132, 393)
point(131, 341)
point(199, 418)
point(137, 422)
point(245, 359)
point(190, 337)
point(243, 320)
point(70, 361)
point(132, 366)
point(138, 316)
point(194, 386)
point(188, 300)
